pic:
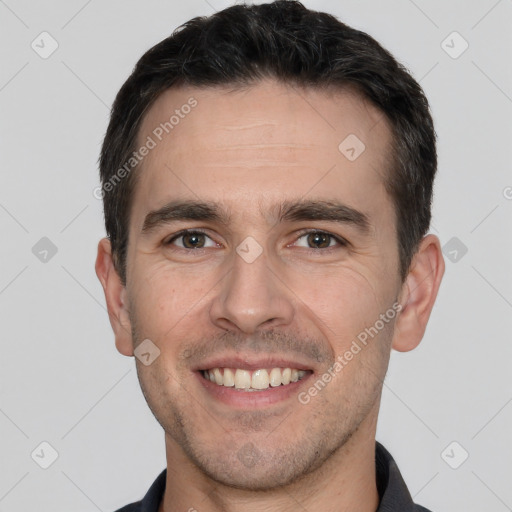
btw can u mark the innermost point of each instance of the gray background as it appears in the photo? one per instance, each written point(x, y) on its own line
point(62, 380)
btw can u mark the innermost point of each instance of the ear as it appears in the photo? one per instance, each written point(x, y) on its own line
point(418, 294)
point(115, 296)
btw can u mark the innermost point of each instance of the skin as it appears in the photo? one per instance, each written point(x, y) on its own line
point(248, 150)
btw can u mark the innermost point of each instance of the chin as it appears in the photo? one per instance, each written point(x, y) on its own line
point(260, 467)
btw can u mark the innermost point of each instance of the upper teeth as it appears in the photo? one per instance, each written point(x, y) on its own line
point(257, 379)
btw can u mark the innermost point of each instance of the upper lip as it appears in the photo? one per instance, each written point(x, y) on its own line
point(251, 363)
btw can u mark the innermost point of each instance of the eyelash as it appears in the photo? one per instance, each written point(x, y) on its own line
point(341, 241)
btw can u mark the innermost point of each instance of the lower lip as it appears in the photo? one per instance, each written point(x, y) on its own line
point(251, 399)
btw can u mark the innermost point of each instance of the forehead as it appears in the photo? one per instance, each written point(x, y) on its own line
point(265, 141)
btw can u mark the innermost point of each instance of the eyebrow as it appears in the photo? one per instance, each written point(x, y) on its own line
point(289, 210)
point(184, 210)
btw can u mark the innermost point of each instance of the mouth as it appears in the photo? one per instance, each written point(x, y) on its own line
point(246, 383)
point(253, 380)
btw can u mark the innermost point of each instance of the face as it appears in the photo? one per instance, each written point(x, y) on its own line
point(289, 259)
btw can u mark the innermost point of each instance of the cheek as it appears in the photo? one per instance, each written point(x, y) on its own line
point(347, 307)
point(169, 299)
point(343, 299)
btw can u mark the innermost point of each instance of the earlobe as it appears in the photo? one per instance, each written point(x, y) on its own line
point(419, 293)
point(115, 296)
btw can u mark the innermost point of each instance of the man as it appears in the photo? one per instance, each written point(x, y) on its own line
point(267, 179)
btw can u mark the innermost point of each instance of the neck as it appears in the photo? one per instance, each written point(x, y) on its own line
point(345, 482)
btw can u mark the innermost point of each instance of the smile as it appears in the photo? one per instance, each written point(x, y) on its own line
point(255, 380)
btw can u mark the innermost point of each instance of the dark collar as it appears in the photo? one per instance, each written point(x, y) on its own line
point(393, 493)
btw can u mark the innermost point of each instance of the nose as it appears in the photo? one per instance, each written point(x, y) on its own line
point(252, 296)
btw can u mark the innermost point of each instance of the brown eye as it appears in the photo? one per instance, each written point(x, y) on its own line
point(191, 240)
point(319, 240)
point(316, 240)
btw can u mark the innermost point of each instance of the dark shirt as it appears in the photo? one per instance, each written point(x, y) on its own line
point(393, 493)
